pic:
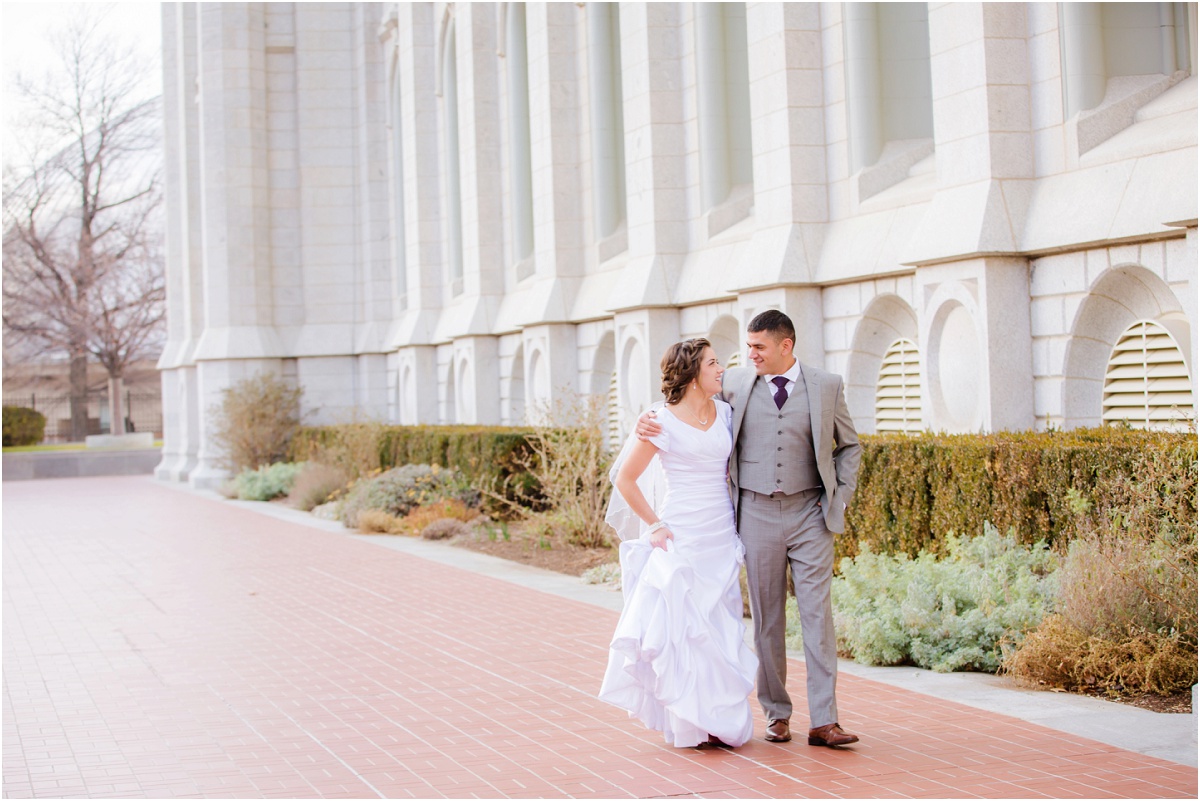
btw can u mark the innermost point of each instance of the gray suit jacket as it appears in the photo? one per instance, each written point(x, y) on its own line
point(835, 440)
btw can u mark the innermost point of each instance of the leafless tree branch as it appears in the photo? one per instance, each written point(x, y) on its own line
point(83, 268)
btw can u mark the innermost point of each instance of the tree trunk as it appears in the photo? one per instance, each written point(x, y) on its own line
point(79, 396)
point(116, 405)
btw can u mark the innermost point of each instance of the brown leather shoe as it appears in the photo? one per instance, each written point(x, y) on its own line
point(778, 731)
point(717, 742)
point(832, 735)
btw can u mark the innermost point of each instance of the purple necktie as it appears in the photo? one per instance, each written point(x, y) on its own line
point(781, 395)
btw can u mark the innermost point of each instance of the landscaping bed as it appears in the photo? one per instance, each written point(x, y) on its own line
point(549, 554)
point(1066, 561)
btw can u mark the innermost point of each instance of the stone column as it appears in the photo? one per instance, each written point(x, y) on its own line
point(372, 204)
point(184, 301)
point(554, 104)
point(863, 96)
point(239, 338)
point(1083, 56)
point(976, 339)
point(787, 109)
point(473, 311)
point(543, 288)
point(419, 223)
point(982, 131)
point(655, 154)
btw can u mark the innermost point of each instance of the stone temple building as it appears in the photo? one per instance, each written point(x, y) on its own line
point(982, 215)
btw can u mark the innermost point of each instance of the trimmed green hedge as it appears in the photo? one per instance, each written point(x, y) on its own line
point(23, 426)
point(485, 454)
point(915, 490)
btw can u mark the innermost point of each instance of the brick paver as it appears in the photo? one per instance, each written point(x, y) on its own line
point(157, 643)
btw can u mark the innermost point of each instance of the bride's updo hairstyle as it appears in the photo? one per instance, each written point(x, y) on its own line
point(680, 366)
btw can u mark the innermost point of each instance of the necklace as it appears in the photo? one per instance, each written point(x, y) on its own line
point(702, 420)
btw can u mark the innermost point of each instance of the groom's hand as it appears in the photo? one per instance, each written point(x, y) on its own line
point(647, 427)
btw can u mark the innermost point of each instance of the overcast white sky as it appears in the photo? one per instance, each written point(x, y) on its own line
point(23, 30)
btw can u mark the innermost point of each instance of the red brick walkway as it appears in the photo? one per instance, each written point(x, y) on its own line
point(160, 644)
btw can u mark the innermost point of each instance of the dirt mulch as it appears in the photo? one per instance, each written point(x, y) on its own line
point(548, 553)
point(1176, 703)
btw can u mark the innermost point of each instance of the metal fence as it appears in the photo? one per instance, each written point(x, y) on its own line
point(143, 412)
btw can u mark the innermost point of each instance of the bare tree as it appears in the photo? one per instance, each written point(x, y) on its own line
point(83, 270)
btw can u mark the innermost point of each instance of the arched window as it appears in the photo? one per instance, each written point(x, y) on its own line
point(898, 390)
point(1146, 384)
point(517, 59)
point(516, 389)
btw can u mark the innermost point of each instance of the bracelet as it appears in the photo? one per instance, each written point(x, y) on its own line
point(656, 527)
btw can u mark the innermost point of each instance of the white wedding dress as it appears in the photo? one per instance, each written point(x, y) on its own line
point(678, 660)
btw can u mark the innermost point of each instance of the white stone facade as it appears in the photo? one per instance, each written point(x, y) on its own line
point(461, 213)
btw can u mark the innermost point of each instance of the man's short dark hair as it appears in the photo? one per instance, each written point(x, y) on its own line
point(774, 322)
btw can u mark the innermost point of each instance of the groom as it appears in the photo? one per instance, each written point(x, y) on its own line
point(793, 467)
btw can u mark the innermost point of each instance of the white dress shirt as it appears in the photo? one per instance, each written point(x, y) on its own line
point(792, 375)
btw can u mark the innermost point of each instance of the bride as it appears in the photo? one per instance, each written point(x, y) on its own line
point(678, 660)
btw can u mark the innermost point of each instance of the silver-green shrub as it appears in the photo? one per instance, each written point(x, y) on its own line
point(956, 613)
point(607, 573)
point(267, 482)
point(402, 489)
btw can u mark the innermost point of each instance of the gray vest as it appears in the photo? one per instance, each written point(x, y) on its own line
point(775, 446)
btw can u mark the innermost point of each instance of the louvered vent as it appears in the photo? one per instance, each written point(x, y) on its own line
point(614, 413)
point(1146, 384)
point(735, 360)
point(898, 390)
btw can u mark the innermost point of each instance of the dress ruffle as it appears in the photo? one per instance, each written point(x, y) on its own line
point(678, 661)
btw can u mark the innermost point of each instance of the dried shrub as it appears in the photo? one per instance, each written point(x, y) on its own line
point(314, 485)
point(1126, 615)
point(570, 467)
point(355, 447)
point(23, 426)
point(417, 519)
point(446, 528)
point(255, 422)
point(375, 521)
point(1058, 654)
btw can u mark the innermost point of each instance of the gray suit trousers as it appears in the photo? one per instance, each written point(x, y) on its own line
point(775, 530)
